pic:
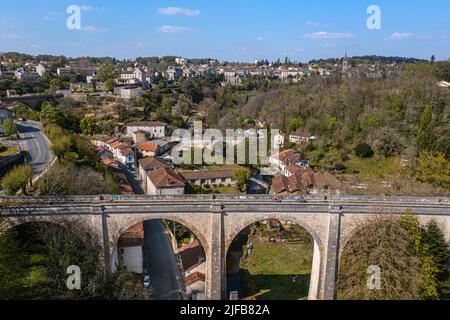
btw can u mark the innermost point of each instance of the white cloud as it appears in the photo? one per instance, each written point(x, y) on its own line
point(401, 36)
point(50, 16)
point(93, 29)
point(259, 39)
point(173, 29)
point(312, 24)
point(171, 11)
point(34, 46)
point(90, 8)
point(328, 35)
point(11, 36)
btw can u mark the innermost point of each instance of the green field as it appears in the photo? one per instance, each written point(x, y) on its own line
point(277, 271)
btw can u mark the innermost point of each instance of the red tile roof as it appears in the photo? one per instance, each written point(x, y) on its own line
point(305, 182)
point(148, 147)
point(294, 169)
point(152, 163)
point(288, 156)
point(193, 278)
point(165, 178)
point(126, 151)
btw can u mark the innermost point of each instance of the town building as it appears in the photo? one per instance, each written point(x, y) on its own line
point(301, 137)
point(148, 149)
point(222, 177)
point(306, 183)
point(164, 182)
point(173, 74)
point(149, 164)
point(130, 249)
point(132, 76)
point(42, 69)
point(69, 70)
point(140, 136)
point(193, 261)
point(22, 74)
point(129, 92)
point(284, 159)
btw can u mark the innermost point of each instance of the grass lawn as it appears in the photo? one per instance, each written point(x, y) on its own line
point(373, 168)
point(277, 271)
point(8, 151)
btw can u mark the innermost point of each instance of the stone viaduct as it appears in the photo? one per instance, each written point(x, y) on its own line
point(217, 220)
point(32, 101)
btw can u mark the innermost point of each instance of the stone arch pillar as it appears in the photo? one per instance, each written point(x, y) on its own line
point(215, 259)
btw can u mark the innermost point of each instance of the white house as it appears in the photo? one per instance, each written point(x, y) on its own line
point(284, 159)
point(301, 137)
point(130, 249)
point(127, 157)
point(173, 73)
point(42, 69)
point(130, 92)
point(130, 76)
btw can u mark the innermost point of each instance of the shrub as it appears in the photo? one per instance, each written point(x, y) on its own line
point(17, 179)
point(363, 150)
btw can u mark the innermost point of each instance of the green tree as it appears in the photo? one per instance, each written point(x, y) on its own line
point(410, 222)
point(61, 146)
point(241, 176)
point(9, 127)
point(89, 126)
point(106, 72)
point(425, 135)
point(55, 85)
point(295, 124)
point(109, 84)
point(51, 114)
point(17, 179)
point(433, 168)
point(363, 150)
point(429, 287)
point(381, 241)
point(12, 259)
point(436, 245)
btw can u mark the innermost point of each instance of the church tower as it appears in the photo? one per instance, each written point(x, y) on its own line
point(345, 63)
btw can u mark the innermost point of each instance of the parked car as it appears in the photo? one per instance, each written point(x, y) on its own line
point(147, 281)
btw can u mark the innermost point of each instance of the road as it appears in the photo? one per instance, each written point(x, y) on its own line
point(159, 259)
point(35, 143)
point(161, 262)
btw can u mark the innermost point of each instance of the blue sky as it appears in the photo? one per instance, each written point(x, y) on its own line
point(238, 30)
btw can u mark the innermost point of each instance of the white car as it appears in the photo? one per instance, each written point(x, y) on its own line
point(147, 281)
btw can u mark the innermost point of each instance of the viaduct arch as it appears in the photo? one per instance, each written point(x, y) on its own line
point(217, 220)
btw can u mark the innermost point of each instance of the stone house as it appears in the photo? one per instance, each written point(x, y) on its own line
point(164, 182)
point(211, 177)
point(146, 165)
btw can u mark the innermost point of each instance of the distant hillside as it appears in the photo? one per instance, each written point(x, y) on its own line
point(371, 60)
